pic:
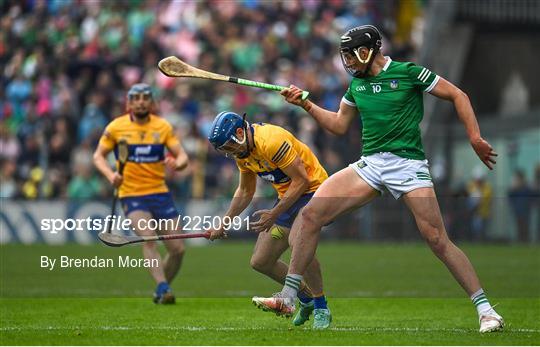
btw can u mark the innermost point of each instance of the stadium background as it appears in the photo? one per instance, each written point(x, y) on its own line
point(68, 64)
point(66, 67)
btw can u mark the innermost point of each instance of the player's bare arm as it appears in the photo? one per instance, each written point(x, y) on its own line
point(299, 183)
point(447, 91)
point(336, 122)
point(244, 193)
point(179, 160)
point(242, 197)
point(100, 161)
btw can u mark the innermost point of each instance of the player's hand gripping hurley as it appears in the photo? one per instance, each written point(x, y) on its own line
point(115, 240)
point(123, 153)
point(174, 67)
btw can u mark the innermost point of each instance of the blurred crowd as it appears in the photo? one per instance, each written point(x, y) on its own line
point(67, 65)
point(469, 209)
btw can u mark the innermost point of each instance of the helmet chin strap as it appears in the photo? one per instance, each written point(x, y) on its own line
point(363, 61)
point(245, 127)
point(369, 60)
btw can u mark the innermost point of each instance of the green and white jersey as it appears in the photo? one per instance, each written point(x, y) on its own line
point(391, 107)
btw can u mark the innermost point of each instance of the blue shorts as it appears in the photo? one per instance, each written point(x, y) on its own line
point(286, 219)
point(160, 206)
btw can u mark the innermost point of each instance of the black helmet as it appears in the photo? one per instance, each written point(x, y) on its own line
point(366, 36)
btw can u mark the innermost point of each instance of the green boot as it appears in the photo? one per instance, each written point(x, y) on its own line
point(322, 318)
point(302, 315)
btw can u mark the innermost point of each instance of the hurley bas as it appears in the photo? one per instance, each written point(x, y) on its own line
point(66, 262)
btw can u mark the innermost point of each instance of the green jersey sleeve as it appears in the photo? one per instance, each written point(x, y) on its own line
point(422, 77)
point(348, 98)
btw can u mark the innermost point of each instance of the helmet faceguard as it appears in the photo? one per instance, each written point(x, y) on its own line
point(352, 41)
point(234, 148)
point(224, 138)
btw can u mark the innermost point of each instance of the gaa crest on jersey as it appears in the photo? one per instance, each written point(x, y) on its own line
point(361, 164)
point(394, 84)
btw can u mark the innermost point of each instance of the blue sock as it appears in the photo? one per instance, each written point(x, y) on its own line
point(162, 288)
point(304, 299)
point(320, 302)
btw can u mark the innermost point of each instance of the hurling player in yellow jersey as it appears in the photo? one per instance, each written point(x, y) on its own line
point(275, 155)
point(142, 189)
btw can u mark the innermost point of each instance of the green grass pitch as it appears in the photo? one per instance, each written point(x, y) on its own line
point(380, 294)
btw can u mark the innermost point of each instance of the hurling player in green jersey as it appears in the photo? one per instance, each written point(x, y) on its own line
point(388, 96)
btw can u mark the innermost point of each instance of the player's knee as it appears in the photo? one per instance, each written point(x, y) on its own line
point(259, 264)
point(435, 237)
point(433, 240)
point(311, 218)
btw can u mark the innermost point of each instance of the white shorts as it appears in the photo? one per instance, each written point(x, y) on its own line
point(399, 175)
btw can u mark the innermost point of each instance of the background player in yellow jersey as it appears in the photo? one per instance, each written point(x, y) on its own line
point(142, 189)
point(275, 155)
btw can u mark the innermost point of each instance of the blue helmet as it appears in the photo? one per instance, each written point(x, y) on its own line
point(224, 128)
point(223, 131)
point(140, 88)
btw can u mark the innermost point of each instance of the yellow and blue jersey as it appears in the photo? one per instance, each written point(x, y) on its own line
point(144, 172)
point(276, 148)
